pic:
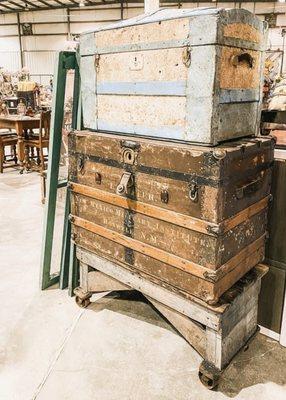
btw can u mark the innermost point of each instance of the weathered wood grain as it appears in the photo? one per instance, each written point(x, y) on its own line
point(194, 309)
point(193, 332)
point(217, 333)
point(166, 215)
point(209, 287)
point(219, 172)
point(166, 257)
point(242, 75)
point(100, 282)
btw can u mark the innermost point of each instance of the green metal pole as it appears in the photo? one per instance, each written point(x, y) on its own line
point(65, 60)
point(65, 256)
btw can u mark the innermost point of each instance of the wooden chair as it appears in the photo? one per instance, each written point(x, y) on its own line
point(38, 142)
point(8, 139)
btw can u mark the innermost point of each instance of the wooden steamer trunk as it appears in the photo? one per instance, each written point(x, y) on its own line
point(188, 75)
point(191, 219)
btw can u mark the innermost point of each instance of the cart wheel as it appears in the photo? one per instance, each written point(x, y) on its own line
point(82, 302)
point(209, 375)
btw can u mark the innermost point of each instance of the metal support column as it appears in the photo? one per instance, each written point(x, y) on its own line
point(20, 41)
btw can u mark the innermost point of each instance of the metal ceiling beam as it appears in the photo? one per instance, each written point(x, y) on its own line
point(7, 7)
point(60, 3)
point(15, 4)
point(46, 4)
point(30, 4)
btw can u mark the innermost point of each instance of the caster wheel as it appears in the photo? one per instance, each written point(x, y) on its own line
point(209, 375)
point(208, 382)
point(82, 302)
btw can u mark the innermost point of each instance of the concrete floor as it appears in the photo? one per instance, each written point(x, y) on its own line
point(115, 349)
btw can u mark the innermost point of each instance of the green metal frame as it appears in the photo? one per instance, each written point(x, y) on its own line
point(66, 60)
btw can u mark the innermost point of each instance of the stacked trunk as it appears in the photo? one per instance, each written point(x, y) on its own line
point(189, 217)
point(192, 218)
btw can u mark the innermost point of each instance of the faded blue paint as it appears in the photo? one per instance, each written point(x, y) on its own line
point(164, 131)
point(152, 88)
point(239, 95)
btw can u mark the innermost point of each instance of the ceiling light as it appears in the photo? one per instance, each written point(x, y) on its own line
point(26, 7)
point(82, 3)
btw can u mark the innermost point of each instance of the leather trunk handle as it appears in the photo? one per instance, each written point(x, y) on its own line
point(242, 59)
point(249, 188)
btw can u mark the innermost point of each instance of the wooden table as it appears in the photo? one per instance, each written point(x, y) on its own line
point(20, 124)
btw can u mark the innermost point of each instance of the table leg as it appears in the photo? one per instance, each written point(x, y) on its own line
point(21, 147)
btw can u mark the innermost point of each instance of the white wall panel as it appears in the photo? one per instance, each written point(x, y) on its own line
point(132, 12)
point(49, 28)
point(8, 18)
point(44, 16)
point(10, 60)
point(266, 7)
point(280, 7)
point(248, 6)
point(281, 20)
point(40, 63)
point(225, 5)
point(275, 39)
point(8, 30)
point(42, 79)
point(9, 44)
point(84, 27)
point(95, 15)
point(192, 4)
point(44, 42)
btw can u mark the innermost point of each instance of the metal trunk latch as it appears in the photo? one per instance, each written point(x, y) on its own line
point(187, 56)
point(125, 183)
point(193, 191)
point(96, 60)
point(129, 151)
point(97, 178)
point(129, 156)
point(164, 196)
point(80, 164)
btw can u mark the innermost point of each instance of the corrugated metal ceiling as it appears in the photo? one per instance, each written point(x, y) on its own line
point(8, 6)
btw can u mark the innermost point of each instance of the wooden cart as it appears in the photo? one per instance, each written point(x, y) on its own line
point(216, 333)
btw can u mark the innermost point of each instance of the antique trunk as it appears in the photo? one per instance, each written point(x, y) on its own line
point(188, 75)
point(193, 218)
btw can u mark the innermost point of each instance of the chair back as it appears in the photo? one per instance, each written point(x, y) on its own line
point(45, 124)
